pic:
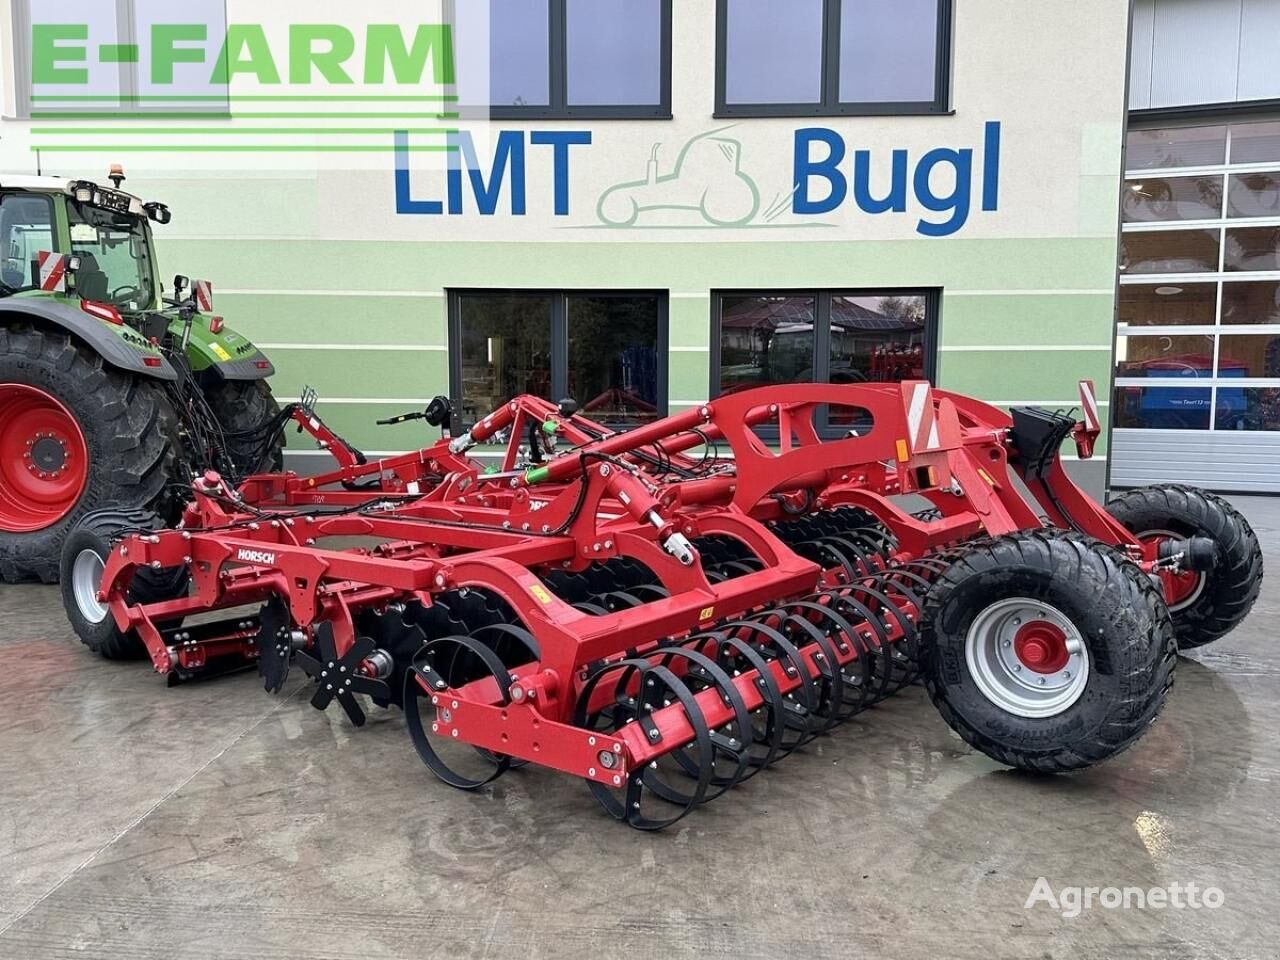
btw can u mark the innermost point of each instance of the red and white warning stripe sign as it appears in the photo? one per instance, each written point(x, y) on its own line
point(53, 271)
point(1089, 404)
point(922, 419)
point(204, 295)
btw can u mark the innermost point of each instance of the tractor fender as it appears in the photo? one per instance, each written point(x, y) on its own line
point(120, 347)
point(227, 355)
point(244, 369)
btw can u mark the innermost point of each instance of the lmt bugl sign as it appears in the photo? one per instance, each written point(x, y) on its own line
point(848, 181)
point(939, 187)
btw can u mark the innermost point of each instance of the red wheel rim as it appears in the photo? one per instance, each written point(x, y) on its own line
point(44, 463)
point(1041, 646)
point(1180, 588)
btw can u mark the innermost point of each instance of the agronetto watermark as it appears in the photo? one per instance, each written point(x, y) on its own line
point(1073, 901)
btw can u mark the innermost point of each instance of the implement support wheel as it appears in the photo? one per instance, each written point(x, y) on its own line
point(1047, 651)
point(1205, 604)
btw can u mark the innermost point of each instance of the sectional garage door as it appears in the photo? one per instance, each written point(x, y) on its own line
point(1197, 395)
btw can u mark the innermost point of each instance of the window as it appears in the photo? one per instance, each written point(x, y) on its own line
point(1251, 302)
point(1176, 147)
point(504, 342)
point(1254, 195)
point(1174, 198)
point(1199, 294)
point(613, 357)
point(115, 267)
point(765, 339)
point(569, 59)
point(1187, 356)
point(118, 38)
point(1167, 305)
point(832, 57)
point(605, 349)
point(1162, 408)
point(1171, 251)
point(26, 229)
point(844, 337)
point(1257, 248)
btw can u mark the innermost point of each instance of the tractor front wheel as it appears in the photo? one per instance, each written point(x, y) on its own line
point(74, 434)
point(1046, 652)
point(1205, 604)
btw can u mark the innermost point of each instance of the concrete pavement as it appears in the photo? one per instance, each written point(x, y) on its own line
point(214, 821)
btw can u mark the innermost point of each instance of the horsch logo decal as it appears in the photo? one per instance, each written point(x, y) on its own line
point(257, 556)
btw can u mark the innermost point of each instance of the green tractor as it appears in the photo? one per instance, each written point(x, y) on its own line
point(110, 392)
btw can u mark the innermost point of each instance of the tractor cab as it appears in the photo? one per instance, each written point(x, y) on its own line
point(179, 391)
point(77, 239)
point(77, 245)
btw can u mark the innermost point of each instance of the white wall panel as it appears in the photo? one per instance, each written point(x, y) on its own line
point(1140, 50)
point(1196, 52)
point(8, 107)
point(1186, 52)
point(1259, 51)
point(1222, 460)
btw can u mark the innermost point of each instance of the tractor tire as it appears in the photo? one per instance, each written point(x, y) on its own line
point(243, 407)
point(83, 557)
point(98, 436)
point(1047, 652)
point(1209, 604)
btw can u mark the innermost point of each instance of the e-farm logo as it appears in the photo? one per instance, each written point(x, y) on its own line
point(197, 87)
point(315, 52)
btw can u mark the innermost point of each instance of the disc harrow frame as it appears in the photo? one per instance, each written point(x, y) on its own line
point(658, 621)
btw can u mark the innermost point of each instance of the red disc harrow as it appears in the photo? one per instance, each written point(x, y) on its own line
point(662, 612)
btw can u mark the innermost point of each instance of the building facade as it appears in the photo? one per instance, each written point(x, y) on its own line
point(672, 200)
point(1197, 395)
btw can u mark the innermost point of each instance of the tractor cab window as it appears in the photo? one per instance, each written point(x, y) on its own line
point(26, 228)
point(115, 265)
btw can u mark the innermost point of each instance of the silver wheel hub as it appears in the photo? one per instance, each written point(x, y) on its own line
point(1027, 657)
point(86, 581)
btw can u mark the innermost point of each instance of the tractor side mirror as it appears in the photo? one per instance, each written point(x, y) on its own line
point(180, 283)
point(158, 212)
point(439, 412)
point(72, 265)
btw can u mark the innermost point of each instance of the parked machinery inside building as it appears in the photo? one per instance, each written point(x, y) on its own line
point(667, 611)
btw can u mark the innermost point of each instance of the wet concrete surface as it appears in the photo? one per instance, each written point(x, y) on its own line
point(214, 821)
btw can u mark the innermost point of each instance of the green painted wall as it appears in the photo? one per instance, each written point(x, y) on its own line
point(1009, 307)
point(310, 256)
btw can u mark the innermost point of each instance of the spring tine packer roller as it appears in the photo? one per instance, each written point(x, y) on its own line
point(667, 611)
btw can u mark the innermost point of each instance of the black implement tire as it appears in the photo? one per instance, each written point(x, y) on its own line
point(1120, 621)
point(1222, 596)
point(97, 533)
point(129, 429)
point(242, 408)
